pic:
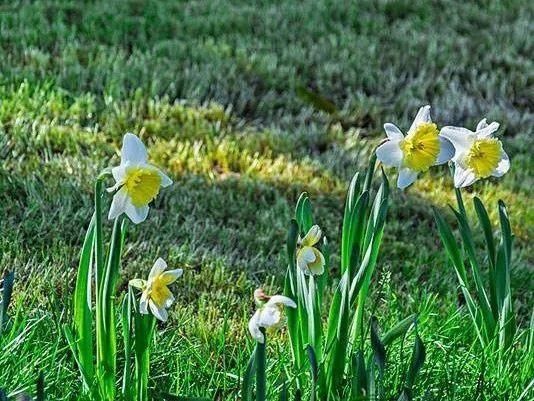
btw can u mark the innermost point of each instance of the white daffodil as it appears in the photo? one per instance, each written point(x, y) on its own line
point(416, 152)
point(269, 313)
point(477, 154)
point(137, 182)
point(155, 291)
point(309, 258)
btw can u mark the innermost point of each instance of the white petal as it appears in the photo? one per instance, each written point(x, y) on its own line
point(463, 177)
point(119, 204)
point(159, 313)
point(269, 316)
point(393, 132)
point(137, 283)
point(169, 301)
point(143, 304)
point(406, 177)
point(482, 124)
point(423, 116)
point(281, 299)
point(254, 328)
point(461, 138)
point(133, 150)
point(159, 267)
point(136, 214)
point(503, 166)
point(390, 153)
point(446, 151)
point(313, 236)
point(119, 172)
point(165, 180)
point(488, 130)
point(170, 276)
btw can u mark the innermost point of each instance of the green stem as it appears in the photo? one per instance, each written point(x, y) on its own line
point(260, 369)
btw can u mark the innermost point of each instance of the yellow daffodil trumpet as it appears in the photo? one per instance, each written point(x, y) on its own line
point(137, 183)
point(156, 295)
point(477, 155)
point(415, 153)
point(309, 258)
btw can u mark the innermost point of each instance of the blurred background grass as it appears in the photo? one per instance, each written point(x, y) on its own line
point(213, 88)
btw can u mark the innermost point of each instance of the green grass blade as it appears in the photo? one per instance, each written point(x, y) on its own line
point(40, 394)
point(83, 313)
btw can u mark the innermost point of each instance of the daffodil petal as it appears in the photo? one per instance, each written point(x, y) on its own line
point(461, 138)
point(313, 236)
point(170, 276)
point(503, 166)
point(269, 316)
point(422, 116)
point(406, 178)
point(136, 214)
point(143, 303)
point(133, 150)
point(390, 153)
point(281, 299)
point(118, 172)
point(446, 151)
point(159, 267)
point(488, 130)
point(463, 177)
point(254, 328)
point(317, 267)
point(137, 283)
point(393, 132)
point(159, 313)
point(119, 204)
point(482, 124)
point(165, 180)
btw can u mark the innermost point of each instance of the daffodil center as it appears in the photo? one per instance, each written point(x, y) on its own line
point(159, 292)
point(421, 147)
point(484, 156)
point(142, 185)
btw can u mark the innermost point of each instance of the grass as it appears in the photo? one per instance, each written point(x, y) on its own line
point(211, 87)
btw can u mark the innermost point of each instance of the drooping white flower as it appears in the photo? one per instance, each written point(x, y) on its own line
point(416, 152)
point(269, 313)
point(137, 181)
point(477, 154)
point(155, 291)
point(309, 258)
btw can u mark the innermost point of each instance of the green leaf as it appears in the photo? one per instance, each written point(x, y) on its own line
point(398, 330)
point(417, 361)
point(314, 370)
point(316, 100)
point(248, 378)
point(379, 350)
point(359, 376)
point(172, 397)
point(283, 392)
point(261, 369)
point(7, 291)
point(83, 313)
point(40, 396)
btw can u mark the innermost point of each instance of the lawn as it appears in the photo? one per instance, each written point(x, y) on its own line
point(217, 91)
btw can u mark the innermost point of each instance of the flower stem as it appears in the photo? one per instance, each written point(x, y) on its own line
point(260, 369)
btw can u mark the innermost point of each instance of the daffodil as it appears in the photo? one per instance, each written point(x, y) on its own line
point(416, 152)
point(477, 154)
point(137, 182)
point(309, 258)
point(269, 313)
point(155, 291)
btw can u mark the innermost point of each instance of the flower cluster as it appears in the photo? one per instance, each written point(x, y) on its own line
point(476, 155)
